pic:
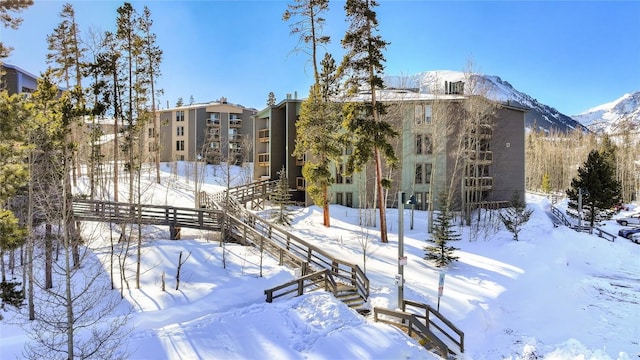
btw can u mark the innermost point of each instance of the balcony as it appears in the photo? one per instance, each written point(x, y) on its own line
point(263, 159)
point(478, 183)
point(263, 135)
point(480, 157)
point(300, 161)
point(235, 123)
point(213, 122)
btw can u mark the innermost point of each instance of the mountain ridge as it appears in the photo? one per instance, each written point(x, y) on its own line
point(620, 115)
point(540, 116)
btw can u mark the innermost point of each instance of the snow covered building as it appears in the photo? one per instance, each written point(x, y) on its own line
point(440, 146)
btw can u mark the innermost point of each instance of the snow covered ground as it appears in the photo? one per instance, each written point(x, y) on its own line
point(555, 294)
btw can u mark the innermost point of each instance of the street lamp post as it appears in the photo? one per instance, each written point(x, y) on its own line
point(402, 260)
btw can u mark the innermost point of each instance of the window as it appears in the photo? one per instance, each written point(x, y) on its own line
point(423, 173)
point(180, 145)
point(427, 114)
point(180, 131)
point(339, 198)
point(152, 132)
point(418, 114)
point(339, 179)
point(180, 115)
point(427, 147)
point(423, 144)
point(349, 199)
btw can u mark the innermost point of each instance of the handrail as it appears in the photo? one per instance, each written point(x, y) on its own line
point(555, 211)
point(605, 235)
point(308, 255)
point(459, 342)
point(301, 284)
point(413, 326)
point(94, 210)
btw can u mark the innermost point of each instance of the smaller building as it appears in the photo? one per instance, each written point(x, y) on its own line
point(16, 80)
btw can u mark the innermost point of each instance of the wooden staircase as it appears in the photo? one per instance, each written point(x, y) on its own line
point(245, 227)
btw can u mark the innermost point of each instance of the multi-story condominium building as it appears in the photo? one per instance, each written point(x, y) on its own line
point(215, 132)
point(16, 80)
point(440, 146)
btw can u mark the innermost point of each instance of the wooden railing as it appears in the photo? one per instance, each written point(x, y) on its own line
point(291, 250)
point(297, 286)
point(274, 238)
point(414, 328)
point(582, 228)
point(434, 320)
point(555, 211)
point(92, 210)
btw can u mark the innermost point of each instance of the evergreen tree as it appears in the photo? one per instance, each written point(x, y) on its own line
point(10, 21)
point(308, 24)
point(546, 183)
point(271, 100)
point(281, 198)
point(364, 64)
point(180, 102)
point(318, 136)
point(153, 60)
point(439, 249)
point(515, 215)
point(596, 177)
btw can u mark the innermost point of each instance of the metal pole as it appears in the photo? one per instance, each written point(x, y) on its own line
point(400, 248)
point(195, 154)
point(579, 209)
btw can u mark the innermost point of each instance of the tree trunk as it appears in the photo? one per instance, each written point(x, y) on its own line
point(381, 204)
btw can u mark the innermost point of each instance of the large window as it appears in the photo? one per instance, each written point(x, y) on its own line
point(180, 131)
point(423, 173)
point(423, 114)
point(180, 145)
point(180, 115)
point(423, 144)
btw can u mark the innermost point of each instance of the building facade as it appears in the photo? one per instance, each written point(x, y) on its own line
point(214, 132)
point(440, 146)
point(275, 139)
point(16, 80)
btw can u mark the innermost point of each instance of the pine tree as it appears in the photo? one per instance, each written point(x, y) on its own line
point(308, 26)
point(546, 183)
point(596, 177)
point(153, 60)
point(271, 100)
point(515, 215)
point(319, 136)
point(10, 21)
point(439, 251)
point(281, 198)
point(364, 64)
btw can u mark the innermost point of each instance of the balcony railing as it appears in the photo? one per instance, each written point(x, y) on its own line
point(235, 123)
point(213, 122)
point(479, 183)
point(300, 161)
point(263, 135)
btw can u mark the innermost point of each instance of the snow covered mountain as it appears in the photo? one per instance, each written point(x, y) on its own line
point(539, 116)
point(613, 117)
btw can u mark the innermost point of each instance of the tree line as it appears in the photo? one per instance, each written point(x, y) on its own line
point(47, 140)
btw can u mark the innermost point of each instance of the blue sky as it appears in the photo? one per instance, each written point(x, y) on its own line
point(572, 55)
